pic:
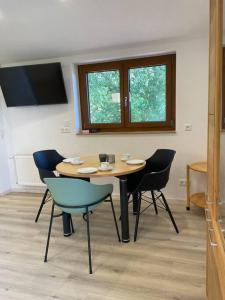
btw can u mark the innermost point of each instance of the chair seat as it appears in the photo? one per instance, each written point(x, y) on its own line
point(77, 211)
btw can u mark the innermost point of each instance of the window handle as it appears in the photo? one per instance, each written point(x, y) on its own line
point(126, 101)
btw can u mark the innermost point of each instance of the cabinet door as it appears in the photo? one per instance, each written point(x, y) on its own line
point(215, 261)
point(216, 161)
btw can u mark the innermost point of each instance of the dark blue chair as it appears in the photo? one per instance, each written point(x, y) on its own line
point(46, 162)
point(153, 178)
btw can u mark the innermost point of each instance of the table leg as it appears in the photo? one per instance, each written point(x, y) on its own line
point(188, 188)
point(135, 203)
point(67, 230)
point(124, 210)
point(66, 218)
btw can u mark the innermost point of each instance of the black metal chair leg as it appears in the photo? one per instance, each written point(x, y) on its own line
point(42, 204)
point(154, 202)
point(137, 217)
point(49, 232)
point(114, 216)
point(135, 202)
point(169, 212)
point(71, 222)
point(89, 241)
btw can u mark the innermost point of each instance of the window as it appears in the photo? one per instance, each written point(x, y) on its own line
point(129, 95)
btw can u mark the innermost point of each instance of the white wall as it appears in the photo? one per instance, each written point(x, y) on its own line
point(35, 128)
point(4, 166)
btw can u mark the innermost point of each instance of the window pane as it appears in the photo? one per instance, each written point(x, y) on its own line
point(147, 94)
point(104, 97)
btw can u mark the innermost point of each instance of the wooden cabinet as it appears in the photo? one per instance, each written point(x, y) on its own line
point(215, 235)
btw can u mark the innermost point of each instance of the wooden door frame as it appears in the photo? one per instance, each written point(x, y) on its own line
point(214, 103)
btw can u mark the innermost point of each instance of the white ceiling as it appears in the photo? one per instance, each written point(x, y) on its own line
point(37, 29)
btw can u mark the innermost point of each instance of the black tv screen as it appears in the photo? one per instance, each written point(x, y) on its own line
point(33, 85)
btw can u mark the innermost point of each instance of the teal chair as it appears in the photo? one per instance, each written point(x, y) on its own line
point(75, 196)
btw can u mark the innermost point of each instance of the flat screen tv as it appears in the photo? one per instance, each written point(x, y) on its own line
point(33, 85)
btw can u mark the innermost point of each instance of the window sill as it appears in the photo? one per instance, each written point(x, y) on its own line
point(128, 132)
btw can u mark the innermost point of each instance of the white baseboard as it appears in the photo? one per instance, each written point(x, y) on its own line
point(41, 189)
point(28, 189)
point(3, 193)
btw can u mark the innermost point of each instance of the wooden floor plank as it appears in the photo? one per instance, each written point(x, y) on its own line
point(160, 265)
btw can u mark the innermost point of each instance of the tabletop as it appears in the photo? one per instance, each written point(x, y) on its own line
point(119, 168)
point(199, 166)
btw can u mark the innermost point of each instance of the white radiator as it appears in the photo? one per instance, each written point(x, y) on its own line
point(26, 171)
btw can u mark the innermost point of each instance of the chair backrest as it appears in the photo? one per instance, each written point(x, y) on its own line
point(159, 160)
point(158, 176)
point(76, 193)
point(46, 174)
point(46, 160)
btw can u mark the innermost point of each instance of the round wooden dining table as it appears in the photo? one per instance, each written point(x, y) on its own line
point(120, 170)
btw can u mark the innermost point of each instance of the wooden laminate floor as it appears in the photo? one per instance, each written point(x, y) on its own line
point(160, 265)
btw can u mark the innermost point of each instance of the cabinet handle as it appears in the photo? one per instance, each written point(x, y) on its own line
point(212, 243)
point(208, 219)
point(210, 202)
point(220, 220)
point(221, 202)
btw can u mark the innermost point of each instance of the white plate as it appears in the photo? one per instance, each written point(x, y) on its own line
point(135, 162)
point(108, 169)
point(87, 170)
point(77, 163)
point(70, 161)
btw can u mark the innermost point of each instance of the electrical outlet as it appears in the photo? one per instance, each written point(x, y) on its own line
point(66, 123)
point(65, 129)
point(187, 127)
point(182, 182)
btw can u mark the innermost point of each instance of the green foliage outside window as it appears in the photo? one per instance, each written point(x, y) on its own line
point(147, 87)
point(148, 94)
point(103, 89)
